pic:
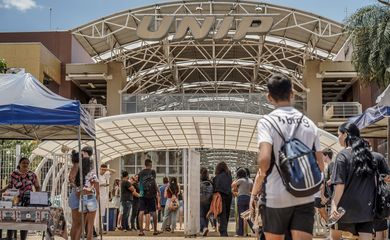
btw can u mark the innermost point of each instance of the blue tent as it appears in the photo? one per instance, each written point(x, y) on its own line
point(371, 116)
point(28, 110)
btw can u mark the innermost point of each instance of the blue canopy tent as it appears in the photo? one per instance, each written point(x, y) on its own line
point(375, 121)
point(29, 110)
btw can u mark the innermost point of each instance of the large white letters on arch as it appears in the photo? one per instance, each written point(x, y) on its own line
point(247, 24)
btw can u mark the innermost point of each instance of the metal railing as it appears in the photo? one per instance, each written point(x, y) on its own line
point(343, 110)
point(96, 110)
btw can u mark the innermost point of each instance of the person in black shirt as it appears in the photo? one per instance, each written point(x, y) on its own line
point(126, 199)
point(353, 178)
point(222, 185)
point(380, 225)
point(149, 200)
point(135, 208)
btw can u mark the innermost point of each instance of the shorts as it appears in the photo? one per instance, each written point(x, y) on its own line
point(380, 225)
point(147, 205)
point(281, 220)
point(355, 228)
point(89, 203)
point(73, 200)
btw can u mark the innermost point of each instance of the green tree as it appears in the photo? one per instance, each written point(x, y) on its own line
point(27, 146)
point(369, 29)
point(3, 66)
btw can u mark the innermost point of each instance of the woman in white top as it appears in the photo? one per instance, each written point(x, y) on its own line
point(242, 188)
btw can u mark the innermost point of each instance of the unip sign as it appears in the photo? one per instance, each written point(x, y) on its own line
point(247, 25)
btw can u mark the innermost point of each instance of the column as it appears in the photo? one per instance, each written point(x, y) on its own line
point(314, 96)
point(114, 85)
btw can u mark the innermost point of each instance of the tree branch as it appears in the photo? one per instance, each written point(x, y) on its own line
point(385, 2)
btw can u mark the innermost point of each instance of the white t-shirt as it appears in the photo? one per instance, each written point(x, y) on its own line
point(287, 118)
point(104, 179)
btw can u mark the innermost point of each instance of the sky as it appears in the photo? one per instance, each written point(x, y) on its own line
point(34, 15)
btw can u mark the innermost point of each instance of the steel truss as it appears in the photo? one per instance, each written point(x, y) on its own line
point(211, 66)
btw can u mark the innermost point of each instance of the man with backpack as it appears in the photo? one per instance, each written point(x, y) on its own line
point(290, 166)
point(149, 200)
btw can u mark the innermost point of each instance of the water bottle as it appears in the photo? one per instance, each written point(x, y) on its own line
point(333, 220)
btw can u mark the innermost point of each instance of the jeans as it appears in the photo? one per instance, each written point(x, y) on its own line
point(225, 214)
point(126, 212)
point(169, 217)
point(204, 223)
point(242, 206)
point(134, 215)
point(11, 234)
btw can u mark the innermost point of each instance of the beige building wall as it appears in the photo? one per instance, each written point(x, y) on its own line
point(34, 58)
point(114, 85)
point(314, 95)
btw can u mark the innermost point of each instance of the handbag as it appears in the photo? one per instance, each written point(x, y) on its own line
point(174, 203)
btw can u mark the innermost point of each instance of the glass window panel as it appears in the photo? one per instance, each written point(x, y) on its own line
point(160, 170)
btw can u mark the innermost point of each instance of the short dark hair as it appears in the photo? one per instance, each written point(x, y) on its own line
point(204, 174)
point(125, 174)
point(165, 180)
point(148, 162)
point(328, 152)
point(103, 165)
point(241, 173)
point(88, 150)
point(279, 87)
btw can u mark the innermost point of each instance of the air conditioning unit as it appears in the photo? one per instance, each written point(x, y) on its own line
point(15, 70)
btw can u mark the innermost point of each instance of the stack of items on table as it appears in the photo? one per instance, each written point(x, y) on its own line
point(10, 211)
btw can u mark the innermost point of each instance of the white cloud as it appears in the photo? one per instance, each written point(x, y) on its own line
point(21, 5)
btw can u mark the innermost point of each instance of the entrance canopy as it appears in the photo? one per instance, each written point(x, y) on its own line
point(217, 62)
point(124, 134)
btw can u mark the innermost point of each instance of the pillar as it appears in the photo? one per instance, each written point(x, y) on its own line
point(314, 95)
point(191, 175)
point(114, 85)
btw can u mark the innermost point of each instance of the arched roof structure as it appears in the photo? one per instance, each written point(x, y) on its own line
point(140, 132)
point(209, 65)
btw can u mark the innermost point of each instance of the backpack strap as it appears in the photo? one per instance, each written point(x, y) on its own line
point(275, 126)
point(296, 128)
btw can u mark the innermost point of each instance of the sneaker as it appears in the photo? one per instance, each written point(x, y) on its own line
point(205, 232)
point(141, 234)
point(125, 230)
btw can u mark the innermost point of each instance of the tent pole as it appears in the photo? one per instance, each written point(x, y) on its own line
point(388, 140)
point(81, 186)
point(99, 204)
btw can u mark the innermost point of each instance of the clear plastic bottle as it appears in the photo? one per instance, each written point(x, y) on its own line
point(333, 220)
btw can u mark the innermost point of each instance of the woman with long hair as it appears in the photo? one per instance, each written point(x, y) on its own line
point(222, 185)
point(90, 187)
point(172, 205)
point(243, 187)
point(354, 185)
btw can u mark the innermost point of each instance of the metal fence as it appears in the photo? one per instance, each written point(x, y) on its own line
point(255, 103)
point(96, 110)
point(337, 110)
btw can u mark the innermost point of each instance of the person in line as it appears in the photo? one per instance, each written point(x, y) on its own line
point(172, 205)
point(135, 209)
point(206, 194)
point(323, 200)
point(74, 197)
point(163, 199)
point(243, 187)
point(149, 196)
point(104, 183)
point(283, 212)
point(89, 186)
point(353, 175)
point(116, 198)
point(25, 181)
point(380, 225)
point(181, 209)
point(222, 184)
point(127, 190)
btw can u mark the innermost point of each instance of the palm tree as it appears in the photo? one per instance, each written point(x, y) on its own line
point(369, 29)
